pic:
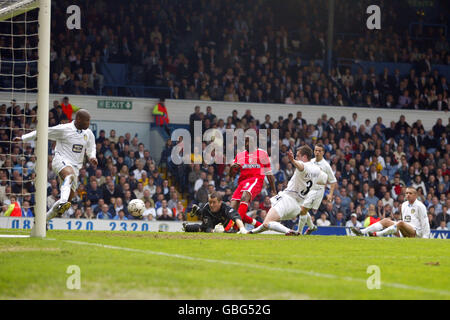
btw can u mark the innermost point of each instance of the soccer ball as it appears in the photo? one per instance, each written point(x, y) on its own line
point(136, 207)
point(219, 228)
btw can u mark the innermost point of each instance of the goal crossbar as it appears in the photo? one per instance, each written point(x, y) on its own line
point(12, 8)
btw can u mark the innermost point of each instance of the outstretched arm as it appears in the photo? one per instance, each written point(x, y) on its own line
point(298, 164)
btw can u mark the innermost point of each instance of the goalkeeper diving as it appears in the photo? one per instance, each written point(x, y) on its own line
point(215, 216)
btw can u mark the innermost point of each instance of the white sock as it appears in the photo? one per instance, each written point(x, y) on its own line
point(253, 222)
point(278, 227)
point(259, 229)
point(301, 223)
point(388, 231)
point(65, 188)
point(52, 212)
point(373, 228)
point(309, 221)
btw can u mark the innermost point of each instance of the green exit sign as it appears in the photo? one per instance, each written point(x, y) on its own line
point(115, 104)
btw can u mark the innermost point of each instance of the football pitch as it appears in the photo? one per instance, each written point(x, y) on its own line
point(145, 265)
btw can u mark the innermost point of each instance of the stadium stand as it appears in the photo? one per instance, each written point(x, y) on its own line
point(239, 51)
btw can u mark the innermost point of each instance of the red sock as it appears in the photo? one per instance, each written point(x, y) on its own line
point(243, 207)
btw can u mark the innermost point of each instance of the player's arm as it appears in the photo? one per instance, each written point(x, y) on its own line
point(425, 224)
point(54, 133)
point(268, 171)
point(197, 210)
point(271, 179)
point(332, 182)
point(91, 150)
point(297, 164)
point(332, 188)
point(234, 168)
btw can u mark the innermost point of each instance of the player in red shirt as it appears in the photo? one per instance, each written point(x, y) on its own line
point(254, 166)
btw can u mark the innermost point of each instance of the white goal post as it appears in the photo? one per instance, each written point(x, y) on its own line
point(10, 11)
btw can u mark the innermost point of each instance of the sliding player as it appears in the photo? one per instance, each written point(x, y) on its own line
point(73, 141)
point(414, 222)
point(314, 198)
point(287, 205)
point(255, 166)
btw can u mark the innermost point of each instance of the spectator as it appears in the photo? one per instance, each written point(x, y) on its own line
point(323, 222)
point(161, 115)
point(120, 215)
point(105, 213)
point(353, 222)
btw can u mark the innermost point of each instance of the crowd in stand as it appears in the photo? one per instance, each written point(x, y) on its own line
point(373, 163)
point(240, 51)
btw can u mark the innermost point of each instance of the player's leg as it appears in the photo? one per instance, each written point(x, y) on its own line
point(191, 227)
point(376, 227)
point(272, 216)
point(317, 196)
point(236, 197)
point(312, 201)
point(285, 209)
point(68, 179)
point(406, 229)
point(243, 208)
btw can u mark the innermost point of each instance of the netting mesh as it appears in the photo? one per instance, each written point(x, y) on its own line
point(18, 105)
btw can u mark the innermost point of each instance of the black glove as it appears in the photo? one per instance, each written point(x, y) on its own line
point(194, 210)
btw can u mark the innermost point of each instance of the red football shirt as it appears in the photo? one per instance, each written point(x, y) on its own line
point(253, 165)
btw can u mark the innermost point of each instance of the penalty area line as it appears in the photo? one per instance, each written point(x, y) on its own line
point(256, 266)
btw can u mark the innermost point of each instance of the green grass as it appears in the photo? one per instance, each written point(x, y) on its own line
point(220, 266)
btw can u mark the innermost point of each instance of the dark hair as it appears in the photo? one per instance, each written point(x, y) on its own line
point(306, 151)
point(216, 195)
point(320, 145)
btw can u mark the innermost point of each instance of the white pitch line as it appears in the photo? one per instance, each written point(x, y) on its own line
point(245, 265)
point(14, 236)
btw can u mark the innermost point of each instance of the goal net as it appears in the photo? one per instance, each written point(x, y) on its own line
point(24, 85)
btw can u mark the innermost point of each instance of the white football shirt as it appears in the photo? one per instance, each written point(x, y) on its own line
point(303, 181)
point(71, 143)
point(325, 167)
point(416, 215)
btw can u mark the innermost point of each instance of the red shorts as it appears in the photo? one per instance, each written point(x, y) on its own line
point(252, 185)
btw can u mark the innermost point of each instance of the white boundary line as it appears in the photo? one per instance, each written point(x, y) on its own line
point(14, 236)
point(245, 265)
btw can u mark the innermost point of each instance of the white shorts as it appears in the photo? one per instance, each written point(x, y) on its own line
point(418, 231)
point(59, 163)
point(286, 206)
point(314, 199)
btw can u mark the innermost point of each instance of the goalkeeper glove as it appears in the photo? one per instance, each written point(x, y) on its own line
point(194, 210)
